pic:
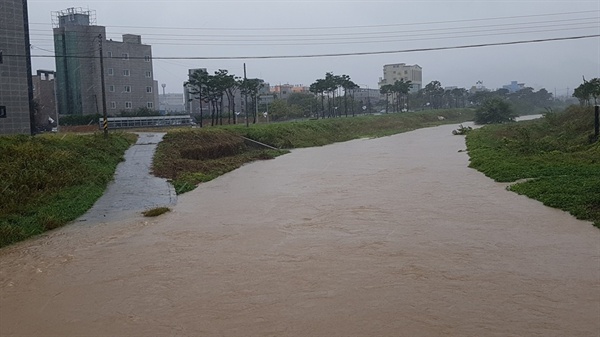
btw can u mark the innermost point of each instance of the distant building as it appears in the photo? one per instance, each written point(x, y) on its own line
point(128, 74)
point(478, 87)
point(514, 86)
point(366, 96)
point(15, 69)
point(402, 71)
point(44, 96)
point(283, 91)
point(171, 103)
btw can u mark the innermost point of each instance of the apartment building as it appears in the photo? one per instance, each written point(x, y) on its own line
point(402, 71)
point(15, 70)
point(128, 73)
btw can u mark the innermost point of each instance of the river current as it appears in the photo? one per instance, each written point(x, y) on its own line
point(393, 236)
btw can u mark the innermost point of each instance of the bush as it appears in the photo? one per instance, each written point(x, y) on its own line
point(494, 111)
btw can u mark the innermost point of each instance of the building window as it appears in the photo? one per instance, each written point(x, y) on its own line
point(109, 54)
point(111, 88)
point(149, 89)
point(111, 71)
point(126, 72)
point(147, 58)
point(127, 88)
point(128, 105)
point(125, 56)
point(150, 105)
point(113, 105)
point(148, 74)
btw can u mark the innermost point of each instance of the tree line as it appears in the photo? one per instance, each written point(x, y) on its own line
point(220, 88)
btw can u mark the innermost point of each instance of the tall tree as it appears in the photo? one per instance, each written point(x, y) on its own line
point(251, 87)
point(588, 90)
point(198, 86)
point(347, 84)
point(434, 91)
point(320, 87)
point(386, 90)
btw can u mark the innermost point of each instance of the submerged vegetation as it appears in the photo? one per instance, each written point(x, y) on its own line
point(154, 212)
point(555, 155)
point(47, 181)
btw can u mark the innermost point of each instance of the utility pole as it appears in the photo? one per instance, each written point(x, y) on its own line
point(246, 97)
point(596, 121)
point(104, 115)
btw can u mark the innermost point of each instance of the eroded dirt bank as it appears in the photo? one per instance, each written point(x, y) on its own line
point(391, 236)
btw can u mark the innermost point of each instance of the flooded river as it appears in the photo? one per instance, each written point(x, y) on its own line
point(393, 236)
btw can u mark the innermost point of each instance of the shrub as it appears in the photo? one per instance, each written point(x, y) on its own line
point(494, 111)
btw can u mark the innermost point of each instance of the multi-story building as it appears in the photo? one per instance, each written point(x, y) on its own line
point(402, 71)
point(16, 96)
point(44, 97)
point(128, 75)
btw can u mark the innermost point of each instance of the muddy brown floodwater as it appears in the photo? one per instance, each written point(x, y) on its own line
point(393, 236)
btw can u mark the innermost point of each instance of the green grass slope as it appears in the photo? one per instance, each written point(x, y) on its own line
point(555, 155)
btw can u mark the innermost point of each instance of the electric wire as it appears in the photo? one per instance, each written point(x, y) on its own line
point(335, 54)
point(353, 27)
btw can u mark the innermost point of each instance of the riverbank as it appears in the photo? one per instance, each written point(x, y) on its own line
point(49, 180)
point(551, 160)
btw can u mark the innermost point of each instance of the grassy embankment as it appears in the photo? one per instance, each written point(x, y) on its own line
point(49, 180)
point(553, 154)
point(189, 157)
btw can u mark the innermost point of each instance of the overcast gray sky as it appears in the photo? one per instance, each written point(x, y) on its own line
point(294, 28)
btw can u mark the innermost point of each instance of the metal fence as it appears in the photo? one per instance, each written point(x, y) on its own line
point(149, 121)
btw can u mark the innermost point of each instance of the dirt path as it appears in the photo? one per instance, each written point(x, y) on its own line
point(385, 237)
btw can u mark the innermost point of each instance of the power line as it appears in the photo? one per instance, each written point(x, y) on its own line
point(337, 54)
point(512, 26)
point(353, 27)
point(365, 40)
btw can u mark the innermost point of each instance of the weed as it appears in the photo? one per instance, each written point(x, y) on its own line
point(156, 211)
